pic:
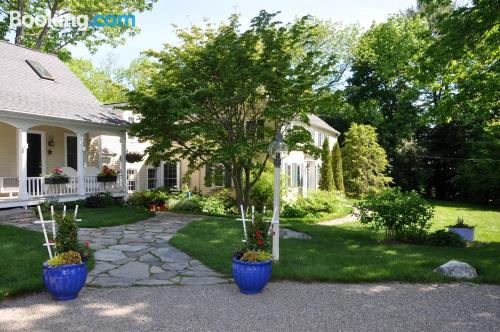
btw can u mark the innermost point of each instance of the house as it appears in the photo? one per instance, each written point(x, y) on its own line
point(303, 170)
point(49, 119)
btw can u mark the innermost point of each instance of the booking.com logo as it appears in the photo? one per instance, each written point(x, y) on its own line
point(81, 22)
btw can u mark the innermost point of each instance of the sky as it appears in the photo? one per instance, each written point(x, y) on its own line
point(156, 25)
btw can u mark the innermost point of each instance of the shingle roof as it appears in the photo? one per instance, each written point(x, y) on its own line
point(315, 120)
point(22, 90)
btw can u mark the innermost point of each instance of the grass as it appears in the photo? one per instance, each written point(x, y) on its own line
point(22, 257)
point(109, 216)
point(349, 252)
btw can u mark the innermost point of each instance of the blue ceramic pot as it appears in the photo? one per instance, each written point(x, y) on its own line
point(251, 277)
point(64, 282)
point(466, 233)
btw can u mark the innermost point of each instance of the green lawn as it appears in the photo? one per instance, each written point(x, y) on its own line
point(22, 256)
point(350, 253)
point(110, 216)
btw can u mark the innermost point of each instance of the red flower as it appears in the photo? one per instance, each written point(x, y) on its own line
point(260, 242)
point(258, 233)
point(87, 244)
point(87, 254)
point(51, 241)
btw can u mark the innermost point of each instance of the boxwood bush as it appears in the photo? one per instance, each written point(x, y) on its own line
point(314, 204)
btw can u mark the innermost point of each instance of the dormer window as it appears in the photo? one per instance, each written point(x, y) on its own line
point(40, 70)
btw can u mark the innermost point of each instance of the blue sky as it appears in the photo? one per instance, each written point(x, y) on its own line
point(156, 25)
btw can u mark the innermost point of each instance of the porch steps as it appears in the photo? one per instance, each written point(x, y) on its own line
point(17, 216)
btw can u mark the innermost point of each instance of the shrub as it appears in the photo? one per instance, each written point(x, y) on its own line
point(443, 238)
point(314, 204)
point(70, 257)
point(100, 200)
point(326, 180)
point(66, 234)
point(190, 204)
point(263, 191)
point(212, 205)
point(398, 214)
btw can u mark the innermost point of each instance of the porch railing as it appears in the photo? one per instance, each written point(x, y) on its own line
point(92, 186)
point(38, 188)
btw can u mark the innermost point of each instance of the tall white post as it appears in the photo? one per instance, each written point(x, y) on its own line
point(22, 161)
point(123, 141)
point(276, 209)
point(80, 152)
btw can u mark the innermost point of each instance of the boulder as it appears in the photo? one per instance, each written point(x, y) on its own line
point(458, 270)
point(289, 234)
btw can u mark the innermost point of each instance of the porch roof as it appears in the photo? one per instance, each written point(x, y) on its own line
point(23, 91)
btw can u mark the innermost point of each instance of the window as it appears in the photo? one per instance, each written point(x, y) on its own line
point(40, 70)
point(294, 173)
point(321, 138)
point(152, 180)
point(71, 152)
point(170, 175)
point(131, 181)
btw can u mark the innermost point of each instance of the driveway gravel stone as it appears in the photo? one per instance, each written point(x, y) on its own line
point(139, 254)
point(282, 306)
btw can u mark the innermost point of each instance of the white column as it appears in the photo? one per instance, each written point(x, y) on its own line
point(276, 209)
point(22, 161)
point(123, 141)
point(161, 175)
point(80, 143)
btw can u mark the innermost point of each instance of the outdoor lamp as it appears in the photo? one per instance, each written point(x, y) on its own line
point(277, 150)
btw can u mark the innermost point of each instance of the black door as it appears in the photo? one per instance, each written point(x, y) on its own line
point(71, 152)
point(34, 159)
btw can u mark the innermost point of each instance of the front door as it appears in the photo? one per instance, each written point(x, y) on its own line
point(34, 160)
point(71, 152)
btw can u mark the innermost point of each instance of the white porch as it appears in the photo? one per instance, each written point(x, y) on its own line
point(31, 148)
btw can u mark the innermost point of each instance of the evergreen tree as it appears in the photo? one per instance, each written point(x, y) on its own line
point(326, 181)
point(338, 175)
point(365, 161)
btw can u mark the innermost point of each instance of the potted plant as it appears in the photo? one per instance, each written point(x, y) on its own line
point(252, 265)
point(56, 176)
point(134, 157)
point(107, 174)
point(64, 275)
point(462, 229)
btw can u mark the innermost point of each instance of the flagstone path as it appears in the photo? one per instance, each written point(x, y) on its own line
point(139, 254)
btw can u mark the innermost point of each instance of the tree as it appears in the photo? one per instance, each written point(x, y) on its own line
point(221, 96)
point(98, 81)
point(365, 161)
point(338, 174)
point(53, 39)
point(326, 181)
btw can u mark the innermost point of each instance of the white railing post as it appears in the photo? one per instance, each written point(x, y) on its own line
point(80, 161)
point(22, 160)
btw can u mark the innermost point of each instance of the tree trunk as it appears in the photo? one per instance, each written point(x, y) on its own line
point(43, 34)
point(20, 29)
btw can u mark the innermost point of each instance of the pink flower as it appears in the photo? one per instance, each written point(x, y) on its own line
point(58, 170)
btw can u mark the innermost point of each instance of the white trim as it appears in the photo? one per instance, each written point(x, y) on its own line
point(66, 135)
point(43, 145)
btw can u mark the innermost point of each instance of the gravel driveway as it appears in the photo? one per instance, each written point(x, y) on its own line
point(282, 306)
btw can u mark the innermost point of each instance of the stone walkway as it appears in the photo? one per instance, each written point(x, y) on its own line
point(347, 219)
point(139, 254)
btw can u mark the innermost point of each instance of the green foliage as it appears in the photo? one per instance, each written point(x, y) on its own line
point(258, 236)
point(326, 181)
point(54, 38)
point(66, 233)
point(314, 204)
point(206, 204)
point(220, 82)
point(98, 81)
point(401, 215)
point(100, 200)
point(263, 190)
point(365, 161)
point(443, 238)
point(64, 258)
point(338, 174)
point(256, 256)
point(461, 224)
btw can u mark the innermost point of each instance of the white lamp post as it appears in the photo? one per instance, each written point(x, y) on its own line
point(276, 150)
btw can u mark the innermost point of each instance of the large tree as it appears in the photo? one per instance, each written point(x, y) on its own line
point(365, 161)
point(53, 39)
point(221, 96)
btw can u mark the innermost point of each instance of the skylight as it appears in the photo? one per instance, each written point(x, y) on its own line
point(40, 70)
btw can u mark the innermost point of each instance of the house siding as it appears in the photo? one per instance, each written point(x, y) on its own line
point(8, 150)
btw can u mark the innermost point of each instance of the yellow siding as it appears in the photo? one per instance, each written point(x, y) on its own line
point(8, 150)
point(56, 158)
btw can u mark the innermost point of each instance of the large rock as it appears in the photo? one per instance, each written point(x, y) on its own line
point(289, 234)
point(458, 270)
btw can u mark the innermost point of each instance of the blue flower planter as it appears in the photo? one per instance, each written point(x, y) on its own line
point(251, 277)
point(64, 282)
point(466, 233)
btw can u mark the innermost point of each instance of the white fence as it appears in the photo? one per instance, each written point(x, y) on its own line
point(92, 186)
point(38, 188)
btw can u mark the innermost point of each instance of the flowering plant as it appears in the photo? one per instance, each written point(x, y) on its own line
point(107, 171)
point(258, 241)
point(85, 251)
point(57, 173)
